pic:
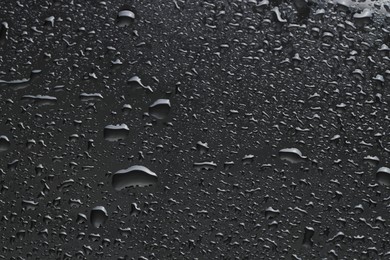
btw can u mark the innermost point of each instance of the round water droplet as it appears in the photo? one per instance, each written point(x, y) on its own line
point(160, 108)
point(132, 177)
point(98, 216)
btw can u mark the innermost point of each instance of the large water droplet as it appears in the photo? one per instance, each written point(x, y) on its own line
point(132, 177)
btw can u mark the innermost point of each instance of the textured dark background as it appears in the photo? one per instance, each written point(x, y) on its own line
point(238, 78)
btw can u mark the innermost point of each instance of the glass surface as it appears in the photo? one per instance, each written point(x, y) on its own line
point(178, 129)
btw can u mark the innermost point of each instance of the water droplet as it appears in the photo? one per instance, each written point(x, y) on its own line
point(205, 166)
point(278, 15)
point(271, 213)
point(125, 18)
point(85, 97)
point(292, 155)
point(116, 132)
point(383, 176)
point(307, 237)
point(29, 204)
point(4, 143)
point(132, 177)
point(366, 13)
point(160, 108)
point(202, 147)
point(40, 100)
point(98, 216)
point(17, 84)
point(50, 21)
point(3, 32)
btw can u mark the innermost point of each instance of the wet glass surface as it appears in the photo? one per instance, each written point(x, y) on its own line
point(194, 129)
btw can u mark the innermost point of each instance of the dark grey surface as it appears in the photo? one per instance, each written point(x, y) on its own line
point(244, 80)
